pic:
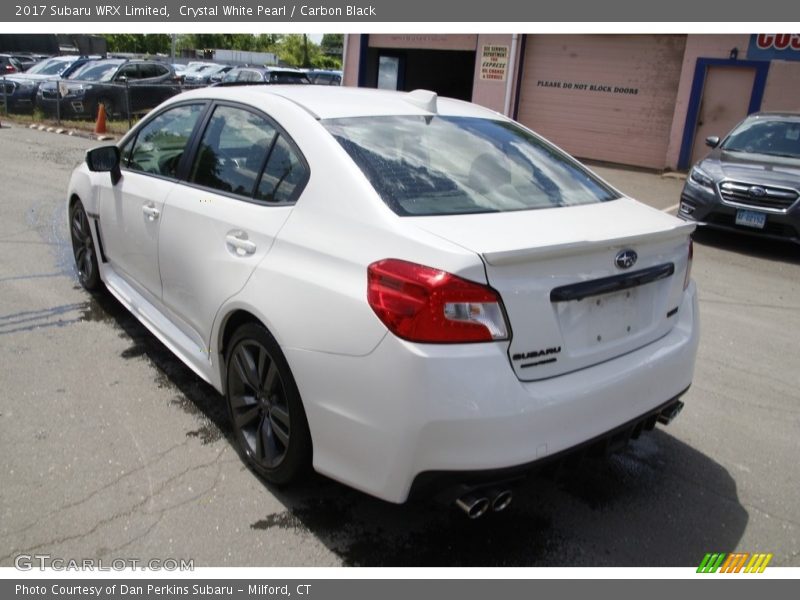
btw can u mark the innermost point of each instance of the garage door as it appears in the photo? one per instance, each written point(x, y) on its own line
point(603, 97)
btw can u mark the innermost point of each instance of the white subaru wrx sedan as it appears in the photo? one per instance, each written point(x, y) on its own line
point(399, 290)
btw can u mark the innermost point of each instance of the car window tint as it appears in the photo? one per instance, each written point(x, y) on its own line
point(129, 71)
point(160, 144)
point(232, 151)
point(149, 70)
point(283, 174)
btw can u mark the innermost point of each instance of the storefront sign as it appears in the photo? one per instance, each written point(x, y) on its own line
point(774, 46)
point(494, 62)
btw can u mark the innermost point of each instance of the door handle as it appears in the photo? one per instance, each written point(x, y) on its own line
point(238, 241)
point(151, 211)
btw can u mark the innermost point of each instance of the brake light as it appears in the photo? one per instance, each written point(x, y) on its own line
point(422, 304)
point(689, 260)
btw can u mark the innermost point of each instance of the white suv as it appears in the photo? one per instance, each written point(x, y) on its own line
point(392, 287)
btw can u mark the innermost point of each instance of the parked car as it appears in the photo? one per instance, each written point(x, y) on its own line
point(404, 291)
point(22, 87)
point(257, 75)
point(124, 86)
point(9, 64)
point(209, 74)
point(323, 77)
point(26, 61)
point(750, 181)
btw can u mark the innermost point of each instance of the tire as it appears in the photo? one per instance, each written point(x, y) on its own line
point(83, 250)
point(265, 408)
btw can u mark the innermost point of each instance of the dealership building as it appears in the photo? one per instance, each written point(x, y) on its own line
point(640, 100)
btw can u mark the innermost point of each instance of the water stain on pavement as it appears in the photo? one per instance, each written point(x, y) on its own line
point(191, 394)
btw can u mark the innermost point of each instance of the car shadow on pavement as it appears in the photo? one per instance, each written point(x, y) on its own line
point(773, 250)
point(659, 502)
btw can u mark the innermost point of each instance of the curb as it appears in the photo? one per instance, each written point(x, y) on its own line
point(71, 132)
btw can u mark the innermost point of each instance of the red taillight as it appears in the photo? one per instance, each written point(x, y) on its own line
point(422, 304)
point(689, 260)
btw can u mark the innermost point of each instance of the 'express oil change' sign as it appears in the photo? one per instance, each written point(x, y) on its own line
point(774, 46)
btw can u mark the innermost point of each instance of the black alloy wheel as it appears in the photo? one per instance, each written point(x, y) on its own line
point(265, 407)
point(83, 247)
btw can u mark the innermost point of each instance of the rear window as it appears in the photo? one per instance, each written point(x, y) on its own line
point(457, 165)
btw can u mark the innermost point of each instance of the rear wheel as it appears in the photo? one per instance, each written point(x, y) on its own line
point(265, 408)
point(83, 247)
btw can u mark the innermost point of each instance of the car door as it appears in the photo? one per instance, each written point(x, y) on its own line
point(245, 177)
point(131, 211)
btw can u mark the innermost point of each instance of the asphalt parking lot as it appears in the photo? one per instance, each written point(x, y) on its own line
point(111, 448)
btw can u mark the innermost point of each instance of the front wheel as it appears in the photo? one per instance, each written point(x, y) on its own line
point(83, 247)
point(265, 408)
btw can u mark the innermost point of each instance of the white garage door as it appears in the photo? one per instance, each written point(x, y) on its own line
point(604, 97)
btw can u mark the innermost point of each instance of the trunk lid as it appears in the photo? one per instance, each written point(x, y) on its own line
point(568, 304)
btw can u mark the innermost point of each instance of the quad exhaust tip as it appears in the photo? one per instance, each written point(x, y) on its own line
point(475, 506)
point(501, 500)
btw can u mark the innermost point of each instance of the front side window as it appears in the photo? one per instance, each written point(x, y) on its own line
point(159, 145)
point(244, 153)
point(440, 165)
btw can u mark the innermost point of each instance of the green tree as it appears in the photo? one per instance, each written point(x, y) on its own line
point(332, 44)
point(139, 43)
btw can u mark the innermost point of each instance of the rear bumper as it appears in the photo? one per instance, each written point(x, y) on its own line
point(448, 485)
point(379, 422)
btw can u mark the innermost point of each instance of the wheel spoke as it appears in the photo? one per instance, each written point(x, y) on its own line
point(271, 380)
point(262, 362)
point(88, 257)
point(77, 228)
point(281, 416)
point(246, 367)
point(260, 454)
point(278, 429)
point(245, 414)
point(80, 254)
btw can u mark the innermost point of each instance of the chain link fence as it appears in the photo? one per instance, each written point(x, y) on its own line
point(68, 100)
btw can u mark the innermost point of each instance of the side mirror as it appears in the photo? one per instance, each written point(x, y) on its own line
point(105, 159)
point(712, 141)
point(122, 79)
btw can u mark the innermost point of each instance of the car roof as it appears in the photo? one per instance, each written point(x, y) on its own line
point(325, 102)
point(772, 115)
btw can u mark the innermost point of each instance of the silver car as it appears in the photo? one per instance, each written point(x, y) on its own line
point(750, 181)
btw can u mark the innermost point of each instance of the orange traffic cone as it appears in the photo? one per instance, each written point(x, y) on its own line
point(100, 125)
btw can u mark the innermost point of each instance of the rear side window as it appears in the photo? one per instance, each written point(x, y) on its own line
point(160, 144)
point(244, 153)
point(149, 70)
point(284, 174)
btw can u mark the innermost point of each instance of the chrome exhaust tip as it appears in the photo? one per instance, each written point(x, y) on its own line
point(473, 506)
point(501, 500)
